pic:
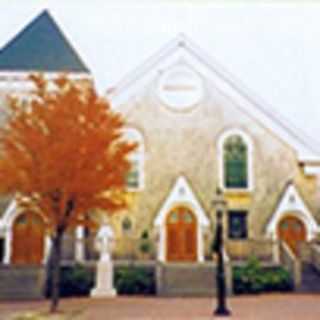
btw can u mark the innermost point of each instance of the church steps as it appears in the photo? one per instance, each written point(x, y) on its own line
point(186, 279)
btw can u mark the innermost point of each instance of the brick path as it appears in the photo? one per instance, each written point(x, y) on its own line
point(264, 307)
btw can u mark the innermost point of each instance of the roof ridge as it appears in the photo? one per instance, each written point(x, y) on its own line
point(258, 102)
point(182, 40)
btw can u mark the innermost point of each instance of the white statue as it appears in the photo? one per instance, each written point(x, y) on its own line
point(104, 242)
point(104, 277)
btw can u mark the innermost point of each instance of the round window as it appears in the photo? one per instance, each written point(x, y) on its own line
point(180, 88)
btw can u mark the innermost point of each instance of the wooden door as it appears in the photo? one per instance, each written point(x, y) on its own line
point(292, 231)
point(181, 235)
point(28, 239)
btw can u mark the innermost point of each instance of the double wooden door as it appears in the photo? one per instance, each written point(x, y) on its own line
point(292, 231)
point(28, 239)
point(181, 228)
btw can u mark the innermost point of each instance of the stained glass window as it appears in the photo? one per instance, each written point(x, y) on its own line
point(235, 162)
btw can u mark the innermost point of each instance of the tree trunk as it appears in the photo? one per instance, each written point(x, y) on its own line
point(55, 271)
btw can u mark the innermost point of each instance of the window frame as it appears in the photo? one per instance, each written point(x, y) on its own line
point(242, 213)
point(221, 143)
point(138, 156)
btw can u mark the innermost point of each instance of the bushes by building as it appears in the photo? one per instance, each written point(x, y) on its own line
point(253, 278)
point(75, 280)
point(79, 280)
point(135, 280)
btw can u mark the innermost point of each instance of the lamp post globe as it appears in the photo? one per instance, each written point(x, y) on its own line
point(219, 205)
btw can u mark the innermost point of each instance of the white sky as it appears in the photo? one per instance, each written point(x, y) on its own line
point(272, 47)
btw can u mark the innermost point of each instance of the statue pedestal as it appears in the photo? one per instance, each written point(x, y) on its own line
point(104, 283)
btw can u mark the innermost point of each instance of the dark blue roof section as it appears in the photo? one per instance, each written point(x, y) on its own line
point(41, 46)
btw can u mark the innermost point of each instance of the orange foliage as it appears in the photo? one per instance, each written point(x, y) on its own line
point(63, 153)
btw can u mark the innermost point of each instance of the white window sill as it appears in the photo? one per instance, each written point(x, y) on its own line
point(237, 190)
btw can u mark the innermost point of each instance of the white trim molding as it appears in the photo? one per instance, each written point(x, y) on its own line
point(181, 195)
point(250, 171)
point(18, 81)
point(311, 169)
point(12, 207)
point(291, 203)
point(8, 218)
point(79, 249)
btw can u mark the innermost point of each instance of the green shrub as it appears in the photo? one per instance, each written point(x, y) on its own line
point(79, 280)
point(145, 247)
point(252, 278)
point(135, 280)
point(248, 278)
point(74, 281)
point(277, 279)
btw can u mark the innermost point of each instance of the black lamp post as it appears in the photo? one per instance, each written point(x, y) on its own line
point(220, 204)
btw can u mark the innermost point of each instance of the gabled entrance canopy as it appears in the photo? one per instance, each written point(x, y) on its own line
point(291, 203)
point(181, 195)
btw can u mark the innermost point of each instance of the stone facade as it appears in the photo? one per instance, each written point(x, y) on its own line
point(185, 143)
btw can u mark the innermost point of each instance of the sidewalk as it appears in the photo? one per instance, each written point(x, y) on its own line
point(264, 307)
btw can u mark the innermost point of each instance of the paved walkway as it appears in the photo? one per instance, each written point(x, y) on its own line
point(264, 307)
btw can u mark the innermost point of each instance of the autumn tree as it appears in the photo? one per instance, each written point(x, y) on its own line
point(62, 154)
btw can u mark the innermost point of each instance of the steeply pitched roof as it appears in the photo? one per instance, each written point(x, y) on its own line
point(41, 46)
point(292, 201)
point(183, 49)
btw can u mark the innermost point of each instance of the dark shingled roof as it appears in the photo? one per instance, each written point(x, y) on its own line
point(41, 46)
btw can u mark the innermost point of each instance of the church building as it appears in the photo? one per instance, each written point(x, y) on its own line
point(197, 129)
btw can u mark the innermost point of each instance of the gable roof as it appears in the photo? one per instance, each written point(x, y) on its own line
point(181, 193)
point(183, 49)
point(41, 46)
point(292, 203)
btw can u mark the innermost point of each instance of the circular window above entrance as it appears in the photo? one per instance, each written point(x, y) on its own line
point(180, 88)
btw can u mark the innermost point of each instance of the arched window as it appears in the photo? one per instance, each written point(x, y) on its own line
point(135, 176)
point(235, 156)
point(236, 161)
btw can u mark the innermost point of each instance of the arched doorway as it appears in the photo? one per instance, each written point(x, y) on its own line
point(181, 235)
point(28, 239)
point(292, 230)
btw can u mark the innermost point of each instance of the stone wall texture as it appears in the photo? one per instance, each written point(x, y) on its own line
point(185, 143)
